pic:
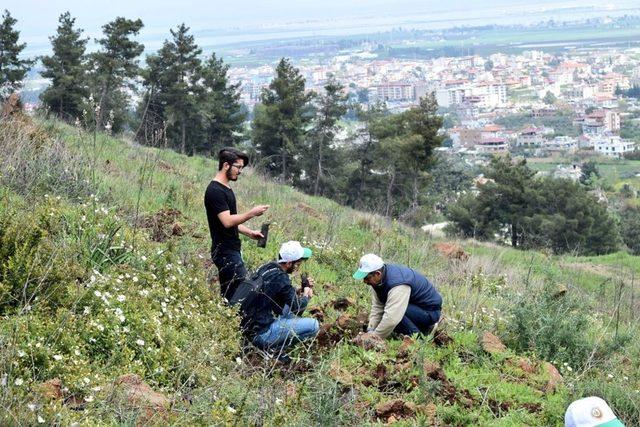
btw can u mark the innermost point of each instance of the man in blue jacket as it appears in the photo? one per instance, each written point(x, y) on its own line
point(403, 300)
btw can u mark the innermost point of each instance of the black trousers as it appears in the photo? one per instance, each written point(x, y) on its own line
point(231, 271)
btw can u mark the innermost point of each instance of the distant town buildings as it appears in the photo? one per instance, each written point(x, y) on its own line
point(580, 89)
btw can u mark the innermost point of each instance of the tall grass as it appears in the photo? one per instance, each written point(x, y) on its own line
point(32, 162)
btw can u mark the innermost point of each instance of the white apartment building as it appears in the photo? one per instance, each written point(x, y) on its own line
point(483, 95)
point(561, 144)
point(393, 92)
point(613, 146)
point(448, 97)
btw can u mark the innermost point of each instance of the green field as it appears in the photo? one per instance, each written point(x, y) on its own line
point(509, 37)
point(615, 172)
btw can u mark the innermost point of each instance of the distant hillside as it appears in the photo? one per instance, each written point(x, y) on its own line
point(104, 272)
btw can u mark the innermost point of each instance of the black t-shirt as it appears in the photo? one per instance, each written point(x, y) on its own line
point(219, 198)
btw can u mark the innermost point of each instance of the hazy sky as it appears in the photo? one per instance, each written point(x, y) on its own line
point(37, 19)
point(39, 16)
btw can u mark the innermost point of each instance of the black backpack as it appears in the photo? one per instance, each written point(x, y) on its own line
point(247, 293)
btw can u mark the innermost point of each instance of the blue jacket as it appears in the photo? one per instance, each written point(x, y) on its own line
point(423, 293)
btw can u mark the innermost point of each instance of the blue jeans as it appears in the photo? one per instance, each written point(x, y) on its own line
point(287, 330)
point(417, 320)
point(231, 271)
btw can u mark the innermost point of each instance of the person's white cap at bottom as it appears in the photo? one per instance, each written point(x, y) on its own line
point(590, 412)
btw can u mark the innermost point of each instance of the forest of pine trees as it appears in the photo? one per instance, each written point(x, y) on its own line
point(187, 103)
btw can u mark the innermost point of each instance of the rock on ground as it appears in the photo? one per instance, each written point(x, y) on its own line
point(394, 410)
point(451, 250)
point(140, 395)
point(555, 379)
point(492, 344)
point(52, 389)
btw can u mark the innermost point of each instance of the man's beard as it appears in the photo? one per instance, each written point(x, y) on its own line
point(230, 176)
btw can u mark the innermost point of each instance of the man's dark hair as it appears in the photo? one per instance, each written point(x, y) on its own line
point(230, 155)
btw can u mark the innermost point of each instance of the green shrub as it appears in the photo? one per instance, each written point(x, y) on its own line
point(46, 252)
point(630, 228)
point(79, 305)
point(554, 327)
point(101, 237)
point(328, 402)
point(35, 267)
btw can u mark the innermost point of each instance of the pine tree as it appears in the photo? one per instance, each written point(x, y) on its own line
point(66, 69)
point(364, 151)
point(151, 109)
point(630, 228)
point(508, 198)
point(399, 147)
point(224, 115)
point(423, 124)
point(12, 68)
point(549, 98)
point(390, 158)
point(180, 87)
point(331, 107)
point(113, 69)
point(568, 219)
point(281, 120)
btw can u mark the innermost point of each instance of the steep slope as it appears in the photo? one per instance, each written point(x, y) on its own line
point(108, 274)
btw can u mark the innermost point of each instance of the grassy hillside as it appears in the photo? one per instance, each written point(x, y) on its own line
point(104, 271)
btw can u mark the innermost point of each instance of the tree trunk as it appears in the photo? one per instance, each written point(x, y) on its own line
point(284, 165)
point(319, 172)
point(414, 202)
point(183, 145)
point(363, 176)
point(363, 169)
point(101, 102)
point(144, 114)
point(164, 135)
point(392, 180)
point(514, 235)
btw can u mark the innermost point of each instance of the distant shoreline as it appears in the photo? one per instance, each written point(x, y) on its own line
point(237, 37)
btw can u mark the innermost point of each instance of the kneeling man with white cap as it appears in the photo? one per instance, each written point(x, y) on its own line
point(271, 321)
point(403, 300)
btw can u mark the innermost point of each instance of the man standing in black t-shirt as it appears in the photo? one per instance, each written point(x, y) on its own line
point(225, 223)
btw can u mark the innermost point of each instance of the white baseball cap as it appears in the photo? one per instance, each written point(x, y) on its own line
point(590, 412)
point(293, 251)
point(368, 263)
